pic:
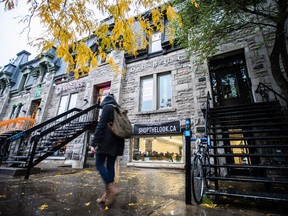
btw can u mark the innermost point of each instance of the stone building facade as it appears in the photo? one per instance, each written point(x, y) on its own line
point(41, 88)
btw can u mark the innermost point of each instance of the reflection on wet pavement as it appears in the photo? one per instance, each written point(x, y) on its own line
point(65, 191)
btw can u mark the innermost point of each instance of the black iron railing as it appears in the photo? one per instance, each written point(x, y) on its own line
point(269, 94)
point(208, 98)
point(11, 145)
point(59, 134)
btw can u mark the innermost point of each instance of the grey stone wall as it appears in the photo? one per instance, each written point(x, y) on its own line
point(190, 84)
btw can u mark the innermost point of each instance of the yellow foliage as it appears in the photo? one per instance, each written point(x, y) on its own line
point(209, 205)
point(195, 3)
point(43, 207)
point(66, 23)
point(87, 204)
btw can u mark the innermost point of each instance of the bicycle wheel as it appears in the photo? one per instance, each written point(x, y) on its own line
point(198, 180)
point(206, 170)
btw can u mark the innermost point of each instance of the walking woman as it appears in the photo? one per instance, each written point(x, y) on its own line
point(108, 148)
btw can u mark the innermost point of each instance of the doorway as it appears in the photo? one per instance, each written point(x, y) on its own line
point(229, 80)
point(100, 91)
point(34, 109)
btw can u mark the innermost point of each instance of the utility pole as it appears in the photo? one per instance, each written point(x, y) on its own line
point(187, 134)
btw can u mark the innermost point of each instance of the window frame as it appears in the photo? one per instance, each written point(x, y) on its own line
point(158, 42)
point(155, 97)
point(23, 81)
point(67, 105)
point(136, 153)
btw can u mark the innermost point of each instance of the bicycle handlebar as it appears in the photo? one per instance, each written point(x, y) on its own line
point(203, 139)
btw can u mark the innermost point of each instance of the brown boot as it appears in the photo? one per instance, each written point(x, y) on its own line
point(111, 193)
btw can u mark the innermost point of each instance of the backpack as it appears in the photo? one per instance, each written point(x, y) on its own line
point(121, 126)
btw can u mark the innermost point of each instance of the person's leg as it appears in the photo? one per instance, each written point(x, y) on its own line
point(111, 188)
point(100, 165)
point(111, 168)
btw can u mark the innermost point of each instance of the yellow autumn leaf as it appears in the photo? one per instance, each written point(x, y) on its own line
point(211, 205)
point(87, 204)
point(131, 204)
point(195, 3)
point(43, 207)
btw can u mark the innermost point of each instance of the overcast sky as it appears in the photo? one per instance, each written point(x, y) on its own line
point(11, 41)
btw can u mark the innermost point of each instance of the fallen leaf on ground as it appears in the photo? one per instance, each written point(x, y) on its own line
point(209, 205)
point(87, 171)
point(87, 204)
point(43, 207)
point(131, 204)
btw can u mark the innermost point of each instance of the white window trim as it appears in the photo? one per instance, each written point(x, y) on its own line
point(68, 102)
point(155, 96)
point(150, 42)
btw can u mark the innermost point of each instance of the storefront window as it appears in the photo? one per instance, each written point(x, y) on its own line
point(158, 149)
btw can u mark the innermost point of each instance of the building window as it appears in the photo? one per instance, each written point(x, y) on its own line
point(43, 75)
point(12, 113)
point(155, 43)
point(158, 149)
point(19, 108)
point(73, 101)
point(147, 93)
point(164, 91)
point(160, 83)
point(23, 82)
point(2, 89)
point(67, 102)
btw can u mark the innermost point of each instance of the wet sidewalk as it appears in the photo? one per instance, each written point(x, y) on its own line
point(58, 191)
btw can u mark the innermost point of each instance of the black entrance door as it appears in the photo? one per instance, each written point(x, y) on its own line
point(230, 81)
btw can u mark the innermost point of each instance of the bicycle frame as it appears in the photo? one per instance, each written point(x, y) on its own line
point(201, 169)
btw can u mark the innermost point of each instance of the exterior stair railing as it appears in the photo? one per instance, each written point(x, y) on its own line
point(60, 134)
point(12, 144)
point(269, 94)
point(208, 98)
point(30, 147)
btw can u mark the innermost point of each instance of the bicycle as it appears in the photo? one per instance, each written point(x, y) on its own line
point(201, 169)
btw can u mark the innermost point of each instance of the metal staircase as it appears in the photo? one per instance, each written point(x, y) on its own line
point(28, 148)
point(249, 151)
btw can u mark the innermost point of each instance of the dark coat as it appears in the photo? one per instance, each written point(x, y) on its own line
point(104, 140)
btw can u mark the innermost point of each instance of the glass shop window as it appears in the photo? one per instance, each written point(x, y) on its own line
point(158, 149)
